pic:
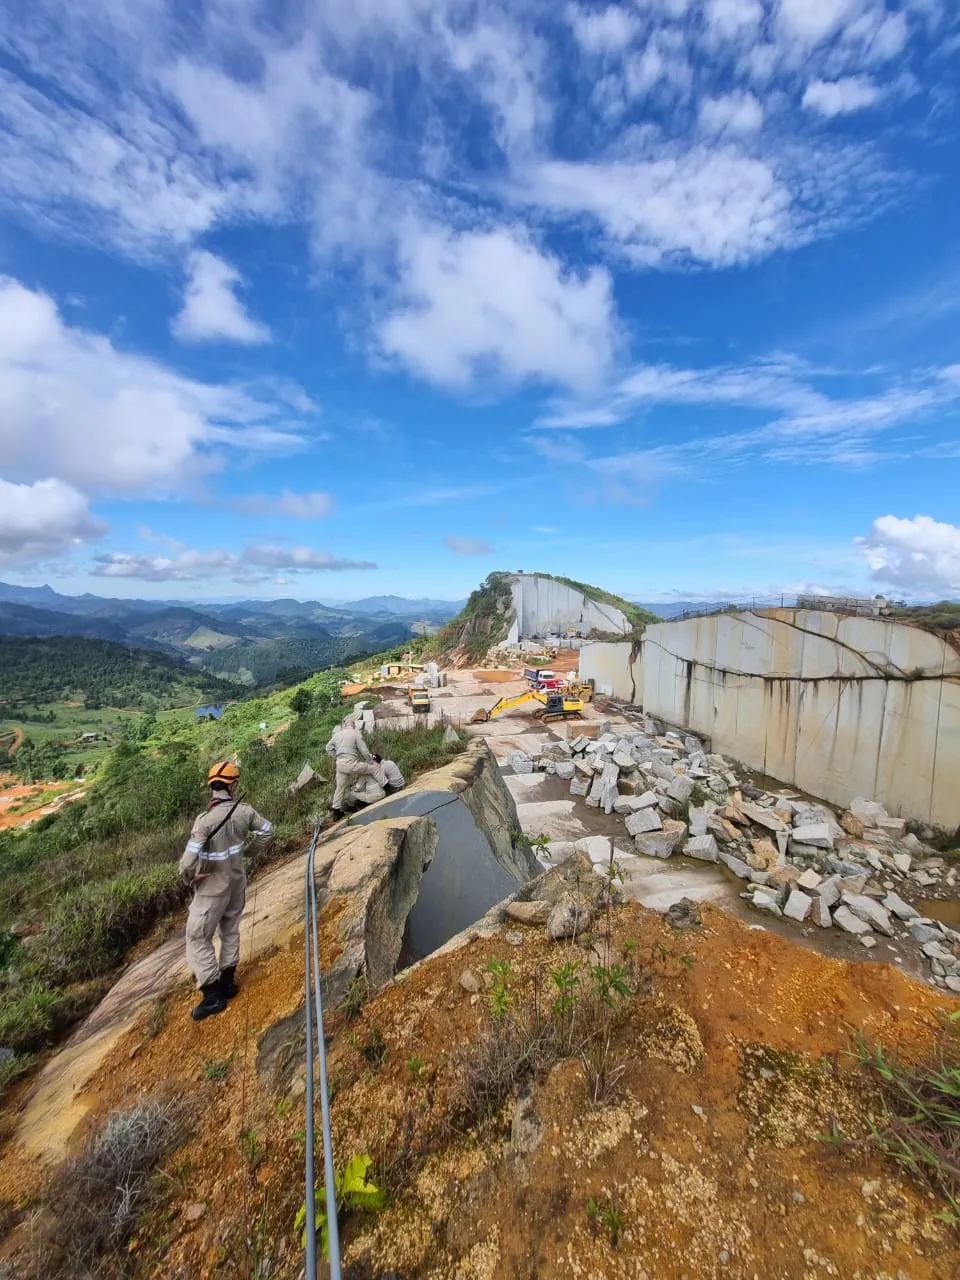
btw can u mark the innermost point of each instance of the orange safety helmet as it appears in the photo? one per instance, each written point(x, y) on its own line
point(224, 771)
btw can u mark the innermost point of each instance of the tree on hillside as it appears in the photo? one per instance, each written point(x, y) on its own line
point(301, 702)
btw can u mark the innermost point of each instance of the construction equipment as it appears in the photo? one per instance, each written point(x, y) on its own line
point(553, 706)
point(419, 699)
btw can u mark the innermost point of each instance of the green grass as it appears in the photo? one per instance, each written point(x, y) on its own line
point(100, 874)
point(922, 1127)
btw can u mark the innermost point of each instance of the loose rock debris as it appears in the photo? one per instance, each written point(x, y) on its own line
point(799, 860)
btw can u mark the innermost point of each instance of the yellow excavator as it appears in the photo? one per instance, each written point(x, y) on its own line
point(553, 706)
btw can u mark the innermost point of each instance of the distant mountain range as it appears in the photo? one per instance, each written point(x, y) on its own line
point(248, 640)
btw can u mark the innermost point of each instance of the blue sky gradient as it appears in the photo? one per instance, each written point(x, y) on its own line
point(337, 300)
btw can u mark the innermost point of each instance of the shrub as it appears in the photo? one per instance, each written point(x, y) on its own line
point(94, 1200)
point(27, 1017)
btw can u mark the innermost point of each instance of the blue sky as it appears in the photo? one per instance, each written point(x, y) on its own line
point(313, 299)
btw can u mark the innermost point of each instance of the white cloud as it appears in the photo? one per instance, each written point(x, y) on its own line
point(293, 506)
point(809, 22)
point(467, 546)
point(840, 97)
point(602, 30)
point(735, 113)
point(254, 563)
point(632, 478)
point(491, 302)
point(717, 206)
point(42, 520)
point(919, 556)
point(109, 422)
point(211, 309)
point(732, 19)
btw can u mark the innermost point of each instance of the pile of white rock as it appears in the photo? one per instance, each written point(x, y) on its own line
point(798, 859)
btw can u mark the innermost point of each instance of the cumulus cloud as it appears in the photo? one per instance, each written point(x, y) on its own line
point(293, 506)
point(491, 302)
point(467, 546)
point(919, 556)
point(714, 206)
point(254, 563)
point(840, 97)
point(602, 30)
point(732, 113)
point(212, 311)
point(109, 422)
point(43, 520)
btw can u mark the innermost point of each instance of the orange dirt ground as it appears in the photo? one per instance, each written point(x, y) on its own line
point(711, 1151)
point(13, 793)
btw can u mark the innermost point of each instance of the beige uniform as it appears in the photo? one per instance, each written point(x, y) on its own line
point(354, 762)
point(219, 895)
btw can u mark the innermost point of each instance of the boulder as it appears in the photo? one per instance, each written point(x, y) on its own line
point(844, 918)
point(702, 847)
point(852, 825)
point(810, 879)
point(519, 762)
point(738, 867)
point(680, 789)
point(450, 737)
point(869, 812)
point(903, 862)
point(763, 856)
point(828, 891)
point(798, 906)
point(698, 819)
point(724, 831)
point(661, 844)
point(896, 906)
point(870, 911)
point(820, 913)
point(579, 786)
point(564, 769)
point(784, 877)
point(816, 834)
point(923, 932)
point(568, 919)
point(470, 981)
point(896, 827)
point(762, 817)
point(643, 820)
point(529, 912)
point(764, 901)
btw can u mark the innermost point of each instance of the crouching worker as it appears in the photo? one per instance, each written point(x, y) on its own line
point(390, 775)
point(212, 864)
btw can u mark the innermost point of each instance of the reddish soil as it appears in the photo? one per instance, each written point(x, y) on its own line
point(735, 1050)
point(15, 793)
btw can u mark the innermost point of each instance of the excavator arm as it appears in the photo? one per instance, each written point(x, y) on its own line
point(505, 704)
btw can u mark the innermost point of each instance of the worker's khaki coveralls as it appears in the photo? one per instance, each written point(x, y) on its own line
point(218, 897)
point(353, 762)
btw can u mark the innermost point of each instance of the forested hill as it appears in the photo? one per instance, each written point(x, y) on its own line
point(98, 673)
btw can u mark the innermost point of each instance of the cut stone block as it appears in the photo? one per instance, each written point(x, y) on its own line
point(902, 910)
point(870, 812)
point(814, 833)
point(519, 762)
point(784, 876)
point(829, 890)
point(725, 831)
point(763, 856)
point(893, 826)
point(698, 820)
point(762, 817)
point(798, 906)
point(579, 786)
point(680, 789)
point(643, 820)
point(702, 847)
point(870, 911)
point(810, 879)
point(564, 769)
point(844, 918)
point(764, 902)
point(661, 844)
point(738, 868)
point(820, 914)
point(903, 862)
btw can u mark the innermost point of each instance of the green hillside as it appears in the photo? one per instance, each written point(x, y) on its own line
point(92, 880)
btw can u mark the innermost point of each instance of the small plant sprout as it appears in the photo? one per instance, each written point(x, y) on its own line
point(216, 1071)
point(355, 1191)
point(607, 1214)
point(500, 996)
point(415, 1066)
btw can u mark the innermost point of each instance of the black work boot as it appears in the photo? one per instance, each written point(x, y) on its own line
point(228, 986)
point(214, 1001)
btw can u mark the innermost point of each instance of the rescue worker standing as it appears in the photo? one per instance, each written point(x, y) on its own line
point(353, 759)
point(212, 863)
